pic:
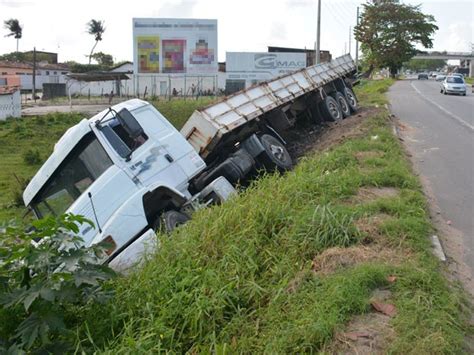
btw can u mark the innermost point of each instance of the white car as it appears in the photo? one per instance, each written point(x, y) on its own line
point(440, 77)
point(453, 85)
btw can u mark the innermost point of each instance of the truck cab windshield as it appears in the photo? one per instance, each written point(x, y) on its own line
point(87, 161)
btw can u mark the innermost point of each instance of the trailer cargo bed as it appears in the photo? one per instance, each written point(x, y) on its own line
point(205, 129)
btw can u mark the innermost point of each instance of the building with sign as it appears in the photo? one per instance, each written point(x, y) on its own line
point(174, 55)
point(244, 69)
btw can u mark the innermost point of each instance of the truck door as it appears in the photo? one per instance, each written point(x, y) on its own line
point(151, 161)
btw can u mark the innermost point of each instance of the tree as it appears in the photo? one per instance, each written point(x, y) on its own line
point(425, 64)
point(103, 59)
point(13, 57)
point(97, 29)
point(388, 32)
point(13, 25)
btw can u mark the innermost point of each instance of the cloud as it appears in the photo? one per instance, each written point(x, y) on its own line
point(460, 36)
point(183, 8)
point(278, 31)
point(15, 3)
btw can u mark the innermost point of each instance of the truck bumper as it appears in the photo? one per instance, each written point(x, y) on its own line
point(134, 254)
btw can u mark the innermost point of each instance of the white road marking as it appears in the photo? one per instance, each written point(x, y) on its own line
point(457, 118)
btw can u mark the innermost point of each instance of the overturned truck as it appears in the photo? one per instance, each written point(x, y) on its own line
point(131, 172)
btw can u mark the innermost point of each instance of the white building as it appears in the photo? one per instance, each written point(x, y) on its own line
point(174, 56)
point(244, 69)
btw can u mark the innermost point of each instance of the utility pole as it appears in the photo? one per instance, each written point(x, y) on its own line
point(34, 74)
point(350, 35)
point(318, 36)
point(357, 44)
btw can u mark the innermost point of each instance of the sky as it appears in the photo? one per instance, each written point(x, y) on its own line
point(243, 25)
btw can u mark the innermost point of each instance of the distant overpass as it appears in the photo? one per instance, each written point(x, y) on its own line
point(445, 55)
point(466, 58)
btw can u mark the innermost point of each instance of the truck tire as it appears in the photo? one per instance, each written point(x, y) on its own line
point(351, 99)
point(275, 155)
point(343, 105)
point(330, 109)
point(169, 220)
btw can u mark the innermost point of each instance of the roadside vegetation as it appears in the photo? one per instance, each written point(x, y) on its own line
point(292, 264)
point(292, 261)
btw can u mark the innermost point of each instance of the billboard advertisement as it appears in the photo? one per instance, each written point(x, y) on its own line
point(148, 54)
point(167, 46)
point(262, 65)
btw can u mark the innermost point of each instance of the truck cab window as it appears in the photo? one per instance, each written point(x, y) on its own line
point(87, 161)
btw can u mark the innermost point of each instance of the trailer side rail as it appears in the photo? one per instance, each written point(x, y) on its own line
point(205, 127)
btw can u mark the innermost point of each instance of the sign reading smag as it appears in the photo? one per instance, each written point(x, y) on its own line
point(262, 66)
point(167, 46)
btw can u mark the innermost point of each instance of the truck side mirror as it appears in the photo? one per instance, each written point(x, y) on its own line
point(129, 123)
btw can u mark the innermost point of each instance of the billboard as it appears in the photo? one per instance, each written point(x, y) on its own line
point(261, 65)
point(148, 54)
point(166, 46)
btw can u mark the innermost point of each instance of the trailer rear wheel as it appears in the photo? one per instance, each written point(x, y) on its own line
point(343, 105)
point(169, 221)
point(330, 109)
point(351, 99)
point(275, 154)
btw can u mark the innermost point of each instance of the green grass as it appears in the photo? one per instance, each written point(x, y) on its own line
point(220, 283)
point(372, 92)
point(26, 136)
point(469, 80)
point(18, 137)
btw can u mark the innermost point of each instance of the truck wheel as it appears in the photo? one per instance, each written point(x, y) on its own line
point(343, 105)
point(275, 154)
point(351, 99)
point(330, 109)
point(169, 220)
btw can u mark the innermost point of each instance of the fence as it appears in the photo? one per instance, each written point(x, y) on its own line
point(176, 85)
point(10, 105)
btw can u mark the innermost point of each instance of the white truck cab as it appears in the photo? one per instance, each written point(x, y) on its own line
point(118, 179)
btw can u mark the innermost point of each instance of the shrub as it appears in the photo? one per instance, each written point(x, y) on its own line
point(32, 157)
point(46, 274)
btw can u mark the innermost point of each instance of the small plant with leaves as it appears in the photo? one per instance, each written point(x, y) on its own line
point(46, 274)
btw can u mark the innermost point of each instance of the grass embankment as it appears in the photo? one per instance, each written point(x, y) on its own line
point(35, 137)
point(249, 276)
point(469, 81)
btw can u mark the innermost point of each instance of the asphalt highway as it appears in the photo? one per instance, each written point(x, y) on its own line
point(439, 132)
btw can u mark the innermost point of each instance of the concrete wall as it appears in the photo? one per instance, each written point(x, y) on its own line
point(10, 105)
point(27, 81)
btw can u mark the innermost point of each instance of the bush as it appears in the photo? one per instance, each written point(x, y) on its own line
point(45, 275)
point(32, 157)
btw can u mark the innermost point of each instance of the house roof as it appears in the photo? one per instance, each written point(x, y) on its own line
point(121, 65)
point(28, 65)
point(18, 65)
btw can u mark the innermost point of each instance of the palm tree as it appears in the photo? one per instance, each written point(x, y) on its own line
point(13, 25)
point(97, 29)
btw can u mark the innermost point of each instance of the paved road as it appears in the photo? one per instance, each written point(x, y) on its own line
point(440, 134)
point(43, 110)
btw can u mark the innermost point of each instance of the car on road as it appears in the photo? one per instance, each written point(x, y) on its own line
point(453, 85)
point(440, 77)
point(423, 76)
